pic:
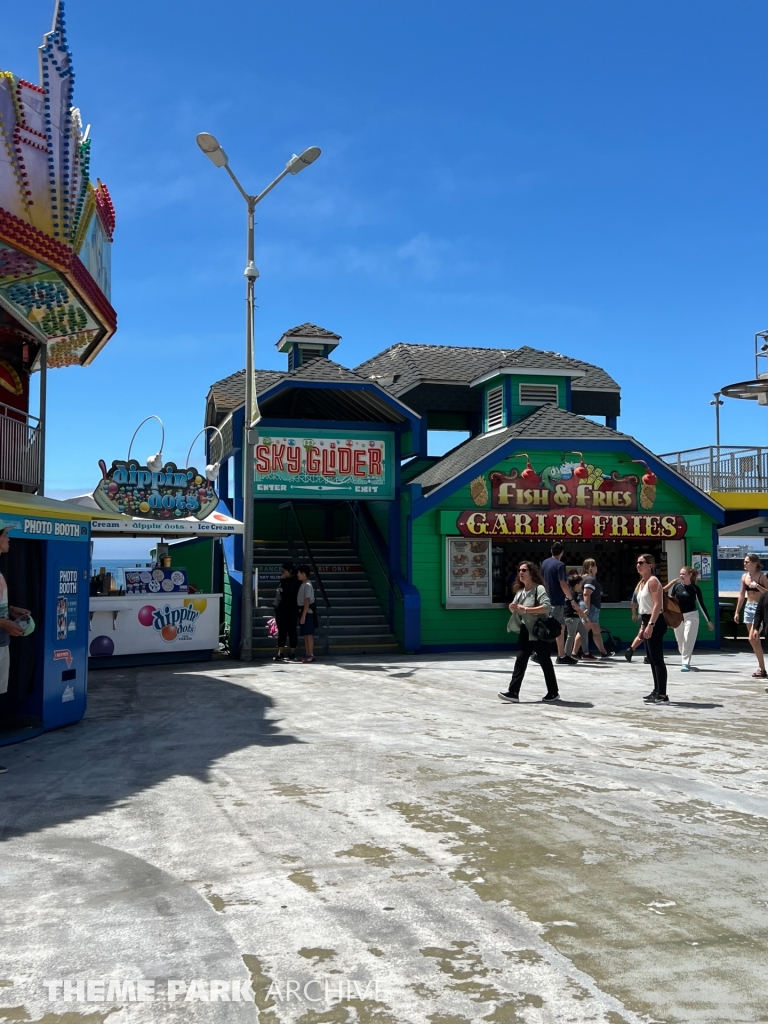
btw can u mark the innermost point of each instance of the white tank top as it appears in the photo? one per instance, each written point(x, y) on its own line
point(645, 599)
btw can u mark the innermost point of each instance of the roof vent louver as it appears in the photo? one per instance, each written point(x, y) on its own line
point(495, 409)
point(538, 394)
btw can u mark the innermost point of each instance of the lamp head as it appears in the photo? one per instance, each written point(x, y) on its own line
point(298, 163)
point(155, 462)
point(212, 471)
point(210, 146)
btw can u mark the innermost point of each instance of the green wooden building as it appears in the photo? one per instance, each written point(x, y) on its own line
point(416, 553)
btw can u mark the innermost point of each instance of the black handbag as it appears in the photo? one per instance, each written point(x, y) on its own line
point(546, 628)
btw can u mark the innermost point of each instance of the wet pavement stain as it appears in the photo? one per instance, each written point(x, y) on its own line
point(261, 984)
point(317, 954)
point(304, 879)
point(378, 855)
point(60, 1018)
point(589, 906)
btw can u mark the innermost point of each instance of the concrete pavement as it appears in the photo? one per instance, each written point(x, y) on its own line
point(387, 842)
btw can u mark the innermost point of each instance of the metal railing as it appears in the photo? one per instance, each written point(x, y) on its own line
point(20, 448)
point(374, 543)
point(722, 468)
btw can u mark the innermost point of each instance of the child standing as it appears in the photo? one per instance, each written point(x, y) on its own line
point(305, 600)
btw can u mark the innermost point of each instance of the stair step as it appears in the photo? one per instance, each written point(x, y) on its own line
point(356, 621)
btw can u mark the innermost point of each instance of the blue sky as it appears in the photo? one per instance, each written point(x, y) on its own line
point(582, 176)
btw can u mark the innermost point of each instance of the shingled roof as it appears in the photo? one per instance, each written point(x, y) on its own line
point(403, 366)
point(310, 331)
point(229, 393)
point(547, 423)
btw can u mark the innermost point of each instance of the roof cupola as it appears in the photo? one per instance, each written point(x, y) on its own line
point(307, 342)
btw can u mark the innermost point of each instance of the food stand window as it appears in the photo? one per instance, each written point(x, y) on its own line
point(468, 573)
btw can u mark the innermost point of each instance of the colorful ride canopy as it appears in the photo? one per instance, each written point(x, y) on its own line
point(55, 227)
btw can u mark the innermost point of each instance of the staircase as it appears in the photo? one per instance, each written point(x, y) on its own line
point(355, 624)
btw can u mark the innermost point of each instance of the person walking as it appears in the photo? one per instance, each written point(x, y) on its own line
point(575, 617)
point(754, 583)
point(653, 626)
point(286, 615)
point(635, 617)
point(759, 624)
point(8, 626)
point(305, 600)
point(592, 590)
point(529, 601)
point(688, 595)
point(554, 574)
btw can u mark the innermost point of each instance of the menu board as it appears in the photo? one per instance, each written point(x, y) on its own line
point(156, 581)
point(469, 568)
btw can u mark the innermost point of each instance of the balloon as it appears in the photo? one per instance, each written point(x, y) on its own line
point(146, 615)
point(102, 647)
point(168, 633)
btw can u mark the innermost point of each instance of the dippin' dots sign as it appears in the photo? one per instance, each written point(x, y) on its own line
point(47, 528)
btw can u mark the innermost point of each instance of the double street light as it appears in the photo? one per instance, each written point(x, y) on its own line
point(219, 158)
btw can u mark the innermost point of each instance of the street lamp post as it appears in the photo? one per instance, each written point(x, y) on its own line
point(717, 403)
point(219, 158)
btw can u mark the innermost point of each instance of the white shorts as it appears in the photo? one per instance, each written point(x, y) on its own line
point(5, 664)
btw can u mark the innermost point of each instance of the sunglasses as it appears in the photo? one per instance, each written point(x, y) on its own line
point(642, 562)
point(522, 570)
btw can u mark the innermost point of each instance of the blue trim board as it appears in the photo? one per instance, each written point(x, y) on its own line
point(627, 445)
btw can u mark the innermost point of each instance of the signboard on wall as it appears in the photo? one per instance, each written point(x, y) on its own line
point(37, 528)
point(568, 484)
point(468, 571)
point(574, 525)
point(128, 488)
point(701, 561)
point(358, 465)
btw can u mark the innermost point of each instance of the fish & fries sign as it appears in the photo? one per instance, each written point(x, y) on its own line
point(572, 500)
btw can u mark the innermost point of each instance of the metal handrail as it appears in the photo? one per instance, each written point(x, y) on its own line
point(311, 560)
point(20, 447)
point(375, 548)
point(722, 468)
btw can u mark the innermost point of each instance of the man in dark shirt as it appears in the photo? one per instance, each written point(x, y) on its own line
point(555, 580)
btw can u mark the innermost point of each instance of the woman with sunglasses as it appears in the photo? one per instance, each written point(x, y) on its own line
point(529, 601)
point(653, 626)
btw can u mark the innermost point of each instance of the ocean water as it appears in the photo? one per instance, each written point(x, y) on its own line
point(729, 580)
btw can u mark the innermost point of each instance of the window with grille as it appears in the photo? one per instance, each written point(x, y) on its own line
point(538, 394)
point(494, 409)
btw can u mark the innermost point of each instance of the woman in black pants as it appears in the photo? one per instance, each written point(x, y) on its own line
point(286, 613)
point(653, 626)
point(530, 600)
